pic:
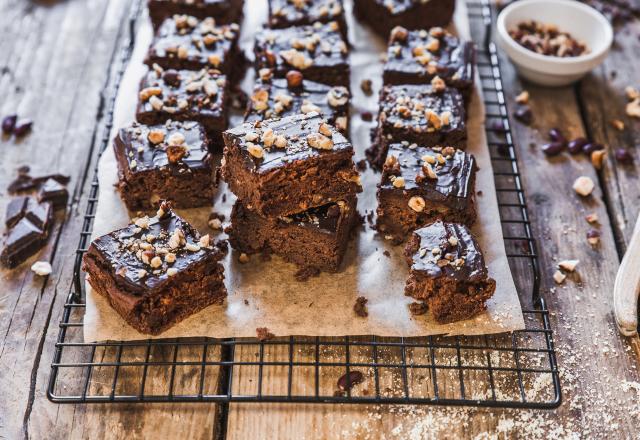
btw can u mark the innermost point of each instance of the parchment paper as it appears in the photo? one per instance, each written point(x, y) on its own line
point(322, 306)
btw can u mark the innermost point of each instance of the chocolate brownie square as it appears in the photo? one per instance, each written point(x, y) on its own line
point(156, 271)
point(185, 95)
point(28, 224)
point(164, 162)
point(222, 11)
point(287, 13)
point(448, 272)
point(417, 57)
point(284, 166)
point(316, 238)
point(279, 97)
point(184, 42)
point(425, 114)
point(384, 15)
point(319, 51)
point(421, 185)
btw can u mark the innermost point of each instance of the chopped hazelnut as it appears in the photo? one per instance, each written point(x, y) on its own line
point(204, 241)
point(148, 92)
point(583, 185)
point(192, 247)
point(155, 136)
point(523, 97)
point(319, 141)
point(265, 74)
point(142, 222)
point(559, 277)
point(170, 257)
point(243, 258)
point(398, 182)
point(176, 139)
point(617, 124)
point(215, 223)
point(568, 265)
point(633, 108)
point(255, 150)
point(214, 60)
point(172, 271)
point(156, 262)
point(592, 218)
point(428, 170)
point(325, 129)
point(399, 34)
point(597, 158)
point(417, 203)
point(294, 78)
point(175, 153)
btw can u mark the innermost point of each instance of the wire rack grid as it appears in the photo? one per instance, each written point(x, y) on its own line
point(516, 370)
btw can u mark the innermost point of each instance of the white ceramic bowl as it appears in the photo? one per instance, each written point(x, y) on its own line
point(581, 21)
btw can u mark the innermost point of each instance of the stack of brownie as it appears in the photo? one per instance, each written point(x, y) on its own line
point(296, 185)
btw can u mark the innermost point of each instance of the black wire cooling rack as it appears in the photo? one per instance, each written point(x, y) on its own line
point(517, 370)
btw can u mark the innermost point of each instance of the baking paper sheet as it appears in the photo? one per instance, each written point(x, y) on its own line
point(322, 306)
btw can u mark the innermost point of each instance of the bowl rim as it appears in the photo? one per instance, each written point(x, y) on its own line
point(513, 45)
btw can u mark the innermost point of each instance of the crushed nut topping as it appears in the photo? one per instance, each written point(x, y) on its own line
point(417, 203)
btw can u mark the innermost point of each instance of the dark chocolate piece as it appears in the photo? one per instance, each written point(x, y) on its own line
point(223, 11)
point(421, 185)
point(164, 162)
point(417, 57)
point(185, 95)
point(287, 13)
point(275, 98)
point(316, 238)
point(156, 271)
point(285, 166)
point(448, 272)
point(54, 192)
point(384, 15)
point(184, 42)
point(29, 223)
point(428, 115)
point(318, 51)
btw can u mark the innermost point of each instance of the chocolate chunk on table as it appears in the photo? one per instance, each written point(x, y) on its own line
point(184, 95)
point(316, 238)
point(222, 11)
point(384, 15)
point(319, 51)
point(169, 161)
point(285, 166)
point(156, 271)
point(184, 42)
point(29, 224)
point(429, 115)
point(448, 272)
point(54, 192)
point(417, 57)
point(279, 97)
point(287, 13)
point(421, 185)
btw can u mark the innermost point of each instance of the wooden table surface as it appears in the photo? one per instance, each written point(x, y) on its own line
point(55, 60)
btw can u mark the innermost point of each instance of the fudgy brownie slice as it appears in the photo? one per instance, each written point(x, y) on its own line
point(421, 185)
point(156, 271)
point(448, 272)
point(316, 238)
point(384, 15)
point(28, 224)
point(285, 166)
point(319, 51)
point(425, 114)
point(184, 95)
point(279, 97)
point(287, 13)
point(164, 162)
point(184, 42)
point(223, 11)
point(417, 57)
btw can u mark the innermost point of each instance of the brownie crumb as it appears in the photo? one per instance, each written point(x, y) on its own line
point(361, 165)
point(366, 116)
point(360, 307)
point(417, 308)
point(386, 253)
point(264, 334)
point(304, 273)
point(367, 87)
point(246, 302)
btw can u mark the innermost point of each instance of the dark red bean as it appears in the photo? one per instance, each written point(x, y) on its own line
point(354, 378)
point(23, 126)
point(553, 148)
point(524, 115)
point(8, 123)
point(556, 136)
point(575, 145)
point(623, 156)
point(591, 147)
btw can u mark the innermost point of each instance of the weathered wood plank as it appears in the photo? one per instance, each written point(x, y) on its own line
point(603, 99)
